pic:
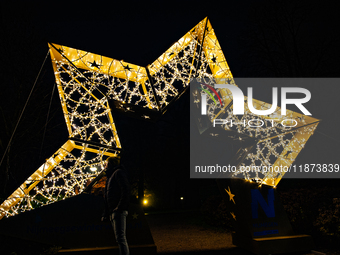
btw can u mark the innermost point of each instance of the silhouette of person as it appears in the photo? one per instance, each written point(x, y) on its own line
point(116, 197)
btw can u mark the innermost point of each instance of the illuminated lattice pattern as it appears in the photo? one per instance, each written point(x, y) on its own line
point(87, 112)
point(87, 85)
point(279, 139)
point(63, 175)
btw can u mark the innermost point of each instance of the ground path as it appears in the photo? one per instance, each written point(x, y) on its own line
point(183, 233)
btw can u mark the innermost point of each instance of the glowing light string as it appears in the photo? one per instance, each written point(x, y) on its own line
point(88, 84)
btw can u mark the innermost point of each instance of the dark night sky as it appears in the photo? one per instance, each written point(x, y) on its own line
point(139, 31)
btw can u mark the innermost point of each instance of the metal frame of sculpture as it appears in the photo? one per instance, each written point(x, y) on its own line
point(90, 86)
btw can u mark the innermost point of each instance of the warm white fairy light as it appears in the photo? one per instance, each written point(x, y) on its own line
point(67, 179)
point(280, 139)
point(87, 82)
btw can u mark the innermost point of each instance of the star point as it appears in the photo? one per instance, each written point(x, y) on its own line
point(135, 216)
point(231, 196)
point(233, 214)
point(288, 153)
point(94, 64)
point(127, 68)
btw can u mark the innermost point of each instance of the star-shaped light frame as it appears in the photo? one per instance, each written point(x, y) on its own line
point(87, 83)
point(90, 86)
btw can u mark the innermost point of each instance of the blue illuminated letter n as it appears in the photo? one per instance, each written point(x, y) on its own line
point(257, 199)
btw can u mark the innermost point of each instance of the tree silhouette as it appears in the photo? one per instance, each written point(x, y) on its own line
point(290, 39)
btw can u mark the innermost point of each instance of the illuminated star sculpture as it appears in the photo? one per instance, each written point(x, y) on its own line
point(90, 86)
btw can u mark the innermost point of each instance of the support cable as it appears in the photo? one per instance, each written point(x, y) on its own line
point(332, 138)
point(22, 112)
point(44, 134)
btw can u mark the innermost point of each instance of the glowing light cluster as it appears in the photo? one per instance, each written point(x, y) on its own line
point(269, 140)
point(63, 175)
point(90, 86)
point(87, 85)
